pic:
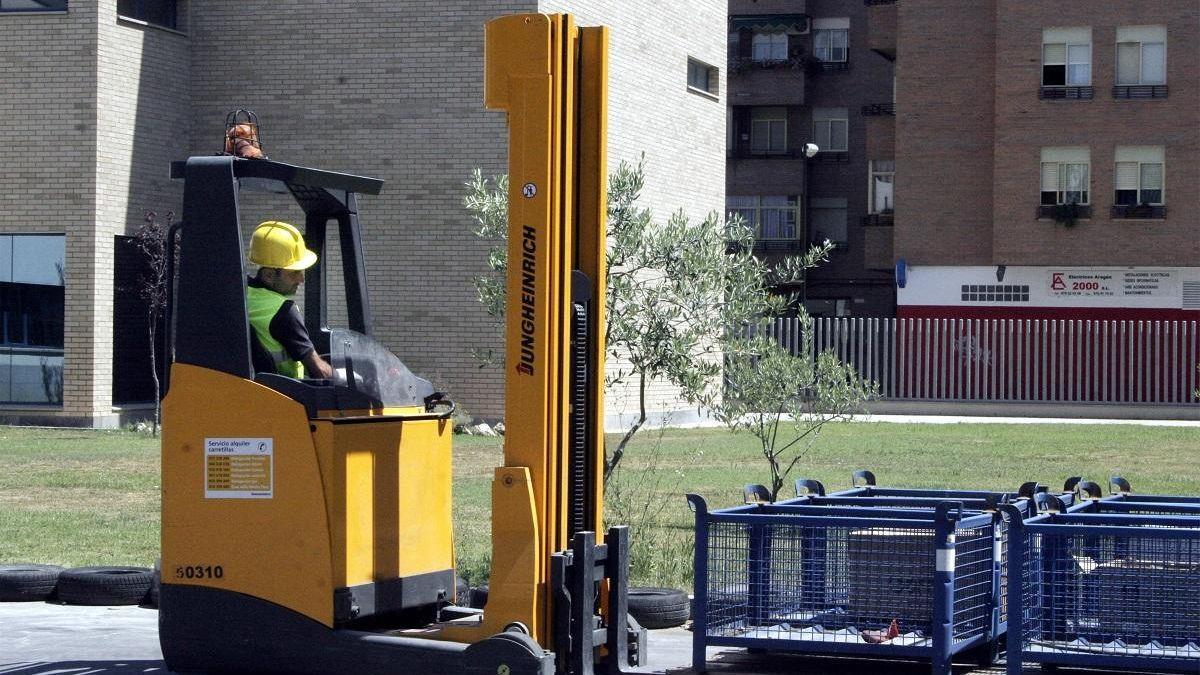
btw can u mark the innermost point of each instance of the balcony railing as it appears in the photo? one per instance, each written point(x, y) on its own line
point(874, 3)
point(879, 109)
point(779, 246)
point(1140, 91)
point(818, 65)
point(1057, 211)
point(879, 219)
point(745, 153)
point(1140, 211)
point(829, 156)
point(1065, 93)
point(744, 64)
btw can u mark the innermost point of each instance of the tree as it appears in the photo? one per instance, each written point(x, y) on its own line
point(769, 390)
point(151, 240)
point(674, 288)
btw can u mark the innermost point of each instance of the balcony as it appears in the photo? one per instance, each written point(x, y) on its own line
point(885, 219)
point(1064, 213)
point(819, 66)
point(754, 82)
point(1057, 93)
point(1139, 212)
point(830, 157)
point(746, 153)
point(879, 110)
point(779, 246)
point(1139, 91)
point(881, 27)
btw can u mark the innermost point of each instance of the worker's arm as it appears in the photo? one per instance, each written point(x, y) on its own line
point(316, 367)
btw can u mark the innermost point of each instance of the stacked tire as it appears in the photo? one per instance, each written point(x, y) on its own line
point(76, 586)
point(27, 582)
point(659, 607)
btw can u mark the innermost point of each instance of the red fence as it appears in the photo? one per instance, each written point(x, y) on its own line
point(1014, 359)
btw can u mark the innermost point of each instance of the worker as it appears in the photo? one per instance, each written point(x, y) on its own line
point(283, 345)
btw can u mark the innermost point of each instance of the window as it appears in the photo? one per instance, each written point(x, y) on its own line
point(32, 313)
point(1067, 57)
point(33, 5)
point(769, 47)
point(1139, 176)
point(772, 217)
point(702, 77)
point(1066, 176)
point(830, 129)
point(768, 131)
point(158, 12)
point(1141, 55)
point(827, 218)
point(831, 40)
point(883, 176)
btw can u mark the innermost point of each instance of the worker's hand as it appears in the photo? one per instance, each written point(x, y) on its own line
point(317, 367)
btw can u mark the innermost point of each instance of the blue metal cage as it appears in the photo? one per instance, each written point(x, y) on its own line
point(888, 577)
point(1112, 583)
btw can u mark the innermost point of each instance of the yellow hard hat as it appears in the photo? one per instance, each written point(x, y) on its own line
point(279, 244)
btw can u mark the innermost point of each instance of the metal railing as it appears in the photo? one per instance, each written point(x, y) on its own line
point(1013, 360)
point(879, 109)
point(1055, 93)
point(1138, 91)
point(1139, 211)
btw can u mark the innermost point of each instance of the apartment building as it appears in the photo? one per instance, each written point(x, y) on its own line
point(802, 72)
point(1048, 155)
point(98, 96)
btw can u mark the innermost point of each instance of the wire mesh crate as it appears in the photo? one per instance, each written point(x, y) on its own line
point(1107, 590)
point(884, 580)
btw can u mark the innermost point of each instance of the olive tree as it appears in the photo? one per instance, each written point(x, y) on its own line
point(674, 289)
point(784, 399)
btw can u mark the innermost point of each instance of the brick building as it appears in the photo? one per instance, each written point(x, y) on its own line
point(1047, 159)
point(98, 96)
point(802, 71)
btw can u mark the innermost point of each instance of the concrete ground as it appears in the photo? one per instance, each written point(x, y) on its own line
point(50, 639)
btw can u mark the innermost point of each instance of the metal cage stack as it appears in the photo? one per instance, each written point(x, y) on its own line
point(886, 577)
point(1111, 582)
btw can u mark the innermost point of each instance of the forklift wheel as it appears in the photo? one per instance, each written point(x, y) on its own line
point(104, 585)
point(25, 583)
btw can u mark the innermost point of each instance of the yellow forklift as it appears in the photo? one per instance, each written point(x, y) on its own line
point(307, 523)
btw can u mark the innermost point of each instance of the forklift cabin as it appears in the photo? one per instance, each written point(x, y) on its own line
point(307, 523)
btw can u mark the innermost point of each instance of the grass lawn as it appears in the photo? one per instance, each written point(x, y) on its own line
point(77, 497)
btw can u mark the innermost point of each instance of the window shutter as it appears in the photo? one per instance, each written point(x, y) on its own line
point(821, 131)
point(1049, 176)
point(1152, 176)
point(838, 136)
point(1127, 175)
point(1054, 54)
point(1129, 56)
point(1154, 63)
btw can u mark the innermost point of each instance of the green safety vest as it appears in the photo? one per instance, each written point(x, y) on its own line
point(263, 304)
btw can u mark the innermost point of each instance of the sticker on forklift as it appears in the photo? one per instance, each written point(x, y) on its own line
point(238, 468)
point(529, 190)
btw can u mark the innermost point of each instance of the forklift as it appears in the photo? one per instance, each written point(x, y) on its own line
point(306, 524)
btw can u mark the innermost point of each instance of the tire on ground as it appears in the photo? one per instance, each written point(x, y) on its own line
point(27, 582)
point(658, 607)
point(105, 585)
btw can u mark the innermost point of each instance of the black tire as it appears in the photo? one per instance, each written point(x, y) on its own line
point(658, 607)
point(105, 585)
point(479, 596)
point(27, 582)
